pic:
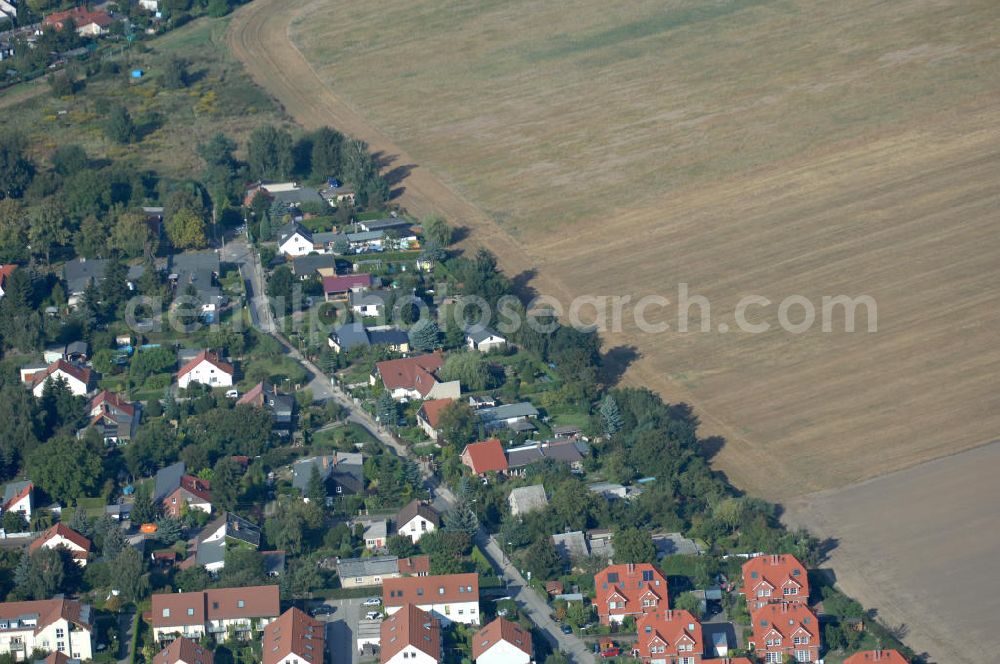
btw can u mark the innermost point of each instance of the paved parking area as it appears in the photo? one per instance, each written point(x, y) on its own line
point(342, 628)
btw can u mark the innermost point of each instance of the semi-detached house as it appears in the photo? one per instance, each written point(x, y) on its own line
point(50, 625)
point(294, 638)
point(629, 590)
point(785, 629)
point(777, 578)
point(214, 612)
point(448, 597)
point(669, 636)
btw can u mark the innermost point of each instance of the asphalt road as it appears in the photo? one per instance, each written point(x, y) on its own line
point(322, 389)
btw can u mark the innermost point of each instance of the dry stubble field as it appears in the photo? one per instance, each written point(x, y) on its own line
point(742, 146)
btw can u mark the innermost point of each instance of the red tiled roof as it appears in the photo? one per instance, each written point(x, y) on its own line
point(880, 656)
point(629, 583)
point(500, 630)
point(60, 530)
point(27, 489)
point(205, 356)
point(197, 487)
point(48, 610)
point(415, 565)
point(294, 633)
point(775, 572)
point(485, 456)
point(256, 395)
point(431, 410)
point(183, 650)
point(215, 604)
point(82, 374)
point(81, 16)
point(439, 589)
point(344, 283)
point(410, 626)
point(786, 619)
point(106, 399)
point(669, 629)
point(411, 373)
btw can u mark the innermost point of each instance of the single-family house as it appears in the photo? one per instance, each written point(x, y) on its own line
point(349, 336)
point(114, 418)
point(371, 304)
point(61, 535)
point(337, 288)
point(507, 415)
point(389, 224)
point(669, 636)
point(876, 657)
point(195, 274)
point(429, 416)
point(50, 625)
point(484, 339)
point(375, 534)
point(294, 638)
point(226, 532)
point(785, 629)
point(414, 378)
point(86, 22)
point(80, 274)
point(502, 642)
point(629, 590)
point(527, 499)
point(571, 546)
point(214, 612)
point(206, 368)
point(774, 578)
point(410, 636)
point(78, 379)
point(417, 519)
point(324, 265)
point(448, 597)
point(281, 406)
point(477, 401)
point(485, 457)
point(294, 239)
point(562, 451)
point(17, 497)
point(184, 651)
point(302, 471)
point(337, 195)
point(415, 566)
point(364, 572)
point(5, 272)
point(176, 491)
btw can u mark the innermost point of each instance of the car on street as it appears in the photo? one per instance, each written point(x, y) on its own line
point(372, 601)
point(566, 629)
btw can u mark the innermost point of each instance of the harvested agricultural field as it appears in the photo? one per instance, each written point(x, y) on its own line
point(770, 147)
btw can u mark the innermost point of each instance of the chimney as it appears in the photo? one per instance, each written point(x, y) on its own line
point(631, 568)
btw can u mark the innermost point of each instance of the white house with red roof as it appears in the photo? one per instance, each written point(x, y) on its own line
point(51, 625)
point(410, 636)
point(206, 368)
point(486, 456)
point(61, 535)
point(338, 287)
point(79, 379)
point(414, 378)
point(184, 651)
point(17, 498)
point(630, 589)
point(502, 642)
point(669, 636)
point(785, 629)
point(294, 638)
point(448, 597)
point(774, 578)
point(113, 416)
point(215, 611)
point(429, 416)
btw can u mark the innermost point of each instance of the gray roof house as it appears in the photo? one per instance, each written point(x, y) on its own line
point(563, 451)
point(572, 545)
point(355, 335)
point(168, 479)
point(483, 339)
point(296, 197)
point(304, 267)
point(226, 531)
point(348, 476)
point(499, 417)
point(82, 272)
point(303, 468)
point(198, 270)
point(358, 572)
point(370, 303)
point(525, 499)
point(384, 224)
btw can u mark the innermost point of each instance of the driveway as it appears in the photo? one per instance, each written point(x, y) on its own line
point(342, 628)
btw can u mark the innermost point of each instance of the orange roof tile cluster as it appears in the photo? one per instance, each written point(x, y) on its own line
point(440, 589)
point(410, 626)
point(876, 656)
point(787, 620)
point(775, 573)
point(629, 583)
point(294, 633)
point(431, 410)
point(411, 373)
point(80, 16)
point(499, 630)
point(108, 401)
point(671, 630)
point(48, 611)
point(64, 531)
point(485, 456)
point(183, 651)
point(197, 487)
point(6, 271)
point(205, 356)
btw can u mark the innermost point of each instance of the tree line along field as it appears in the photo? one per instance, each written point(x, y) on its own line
point(746, 147)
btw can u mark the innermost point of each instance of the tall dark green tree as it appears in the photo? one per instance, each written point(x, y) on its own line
point(316, 489)
point(269, 153)
point(425, 335)
point(16, 170)
point(326, 147)
point(144, 510)
point(118, 125)
point(225, 483)
point(65, 469)
point(611, 416)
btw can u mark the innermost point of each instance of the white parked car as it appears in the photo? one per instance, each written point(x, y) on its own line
point(372, 601)
point(232, 394)
point(373, 615)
